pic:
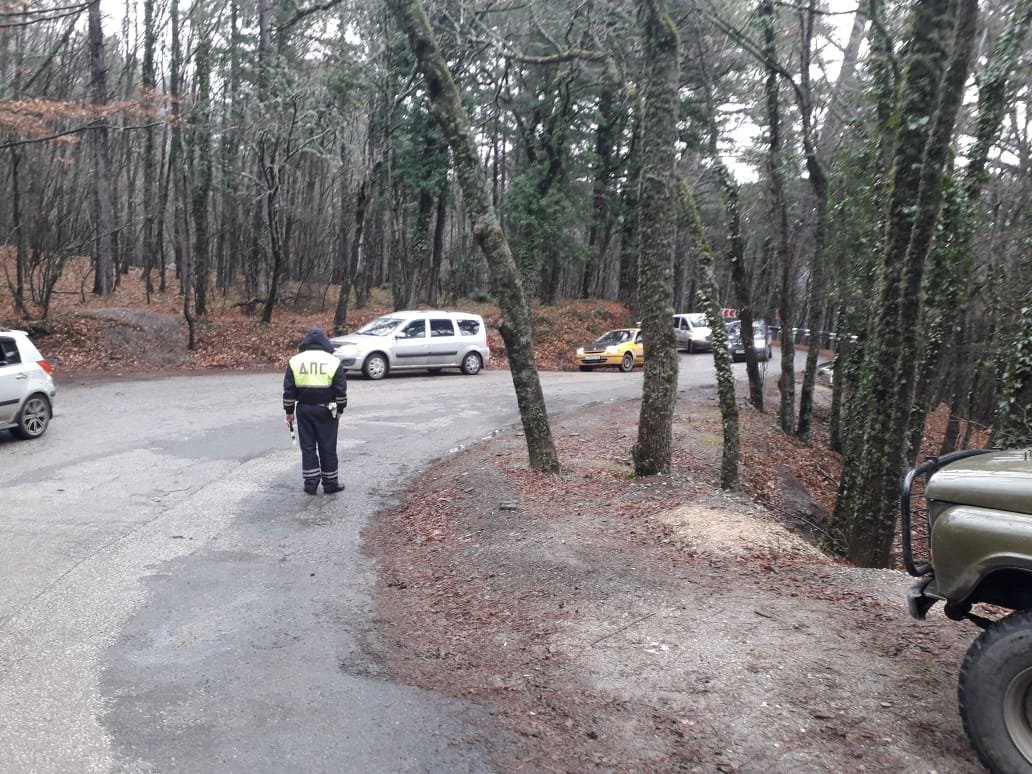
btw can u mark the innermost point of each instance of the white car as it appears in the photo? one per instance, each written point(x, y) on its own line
point(415, 339)
point(692, 332)
point(26, 386)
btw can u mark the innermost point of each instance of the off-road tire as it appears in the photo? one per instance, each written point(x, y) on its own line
point(375, 366)
point(994, 692)
point(627, 364)
point(471, 364)
point(33, 419)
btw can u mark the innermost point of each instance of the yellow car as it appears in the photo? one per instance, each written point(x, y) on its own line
point(621, 348)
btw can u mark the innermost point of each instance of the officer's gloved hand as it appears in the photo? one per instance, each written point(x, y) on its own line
point(342, 404)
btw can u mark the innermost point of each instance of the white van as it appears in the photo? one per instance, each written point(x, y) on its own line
point(693, 332)
point(415, 339)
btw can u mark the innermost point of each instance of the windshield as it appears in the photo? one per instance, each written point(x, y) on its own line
point(381, 326)
point(614, 337)
point(759, 328)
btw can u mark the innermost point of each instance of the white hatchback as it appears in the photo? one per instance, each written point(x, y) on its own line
point(411, 340)
point(26, 386)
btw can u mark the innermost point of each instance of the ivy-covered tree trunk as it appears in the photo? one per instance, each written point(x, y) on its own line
point(1013, 421)
point(865, 513)
point(736, 242)
point(947, 288)
point(516, 329)
point(656, 237)
point(709, 300)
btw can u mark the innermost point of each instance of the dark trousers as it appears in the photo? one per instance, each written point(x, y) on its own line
point(317, 437)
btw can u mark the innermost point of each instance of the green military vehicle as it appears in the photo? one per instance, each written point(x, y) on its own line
point(978, 522)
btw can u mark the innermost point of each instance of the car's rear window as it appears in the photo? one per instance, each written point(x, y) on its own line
point(469, 327)
point(10, 351)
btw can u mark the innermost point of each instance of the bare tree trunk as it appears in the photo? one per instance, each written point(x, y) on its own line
point(150, 165)
point(778, 243)
point(516, 327)
point(819, 186)
point(103, 217)
point(201, 167)
point(21, 258)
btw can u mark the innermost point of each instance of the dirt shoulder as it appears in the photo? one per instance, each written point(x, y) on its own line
point(614, 624)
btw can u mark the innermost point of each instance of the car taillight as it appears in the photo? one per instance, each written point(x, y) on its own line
point(45, 366)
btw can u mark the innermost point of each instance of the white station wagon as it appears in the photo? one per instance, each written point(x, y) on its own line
point(415, 339)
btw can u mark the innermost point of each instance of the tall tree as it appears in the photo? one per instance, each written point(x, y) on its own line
point(516, 329)
point(709, 300)
point(949, 285)
point(818, 178)
point(657, 233)
point(777, 242)
point(103, 215)
point(866, 508)
point(200, 157)
point(1013, 428)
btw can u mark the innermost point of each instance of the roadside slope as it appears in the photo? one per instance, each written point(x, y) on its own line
point(656, 625)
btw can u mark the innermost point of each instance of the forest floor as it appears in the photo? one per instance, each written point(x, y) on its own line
point(608, 623)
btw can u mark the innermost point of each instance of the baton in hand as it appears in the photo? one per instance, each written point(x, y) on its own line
point(293, 438)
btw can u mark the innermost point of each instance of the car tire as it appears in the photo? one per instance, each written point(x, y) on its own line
point(994, 690)
point(471, 364)
point(627, 364)
point(33, 418)
point(375, 366)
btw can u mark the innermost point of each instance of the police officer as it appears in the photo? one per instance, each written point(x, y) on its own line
point(316, 386)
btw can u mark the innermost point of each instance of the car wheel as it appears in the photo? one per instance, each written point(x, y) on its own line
point(471, 364)
point(627, 364)
point(995, 693)
point(375, 366)
point(34, 418)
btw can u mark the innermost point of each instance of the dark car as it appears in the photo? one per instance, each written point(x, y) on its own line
point(762, 339)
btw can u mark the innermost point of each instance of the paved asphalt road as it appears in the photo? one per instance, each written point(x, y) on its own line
point(170, 601)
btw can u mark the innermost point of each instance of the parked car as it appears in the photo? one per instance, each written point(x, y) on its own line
point(762, 339)
point(692, 332)
point(415, 339)
point(27, 387)
point(621, 348)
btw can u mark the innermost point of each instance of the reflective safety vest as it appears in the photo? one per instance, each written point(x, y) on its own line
point(313, 368)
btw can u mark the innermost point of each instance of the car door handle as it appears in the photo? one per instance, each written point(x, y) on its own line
point(22, 377)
